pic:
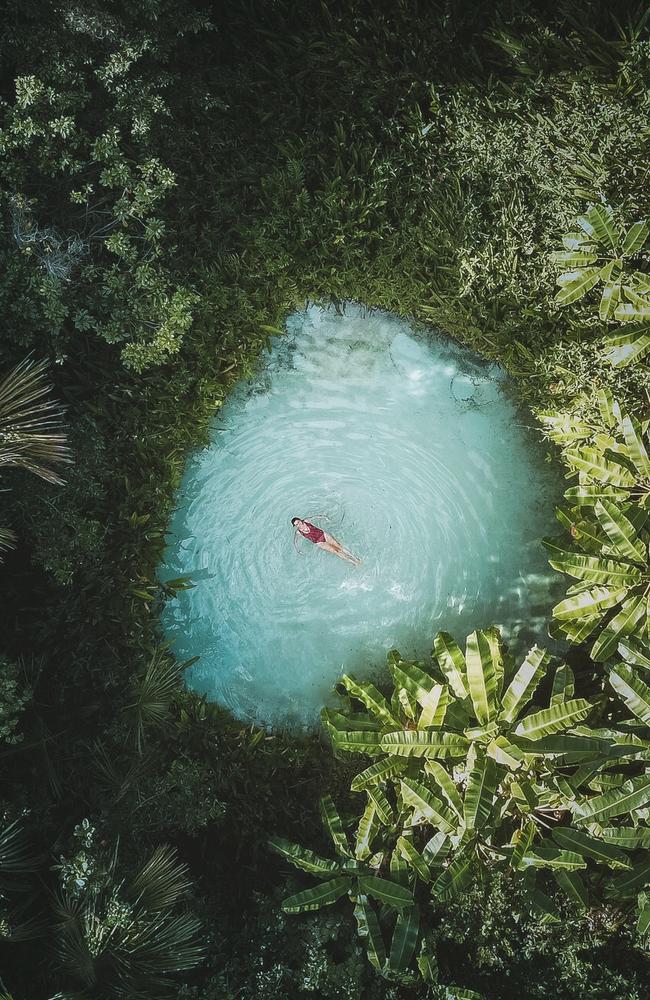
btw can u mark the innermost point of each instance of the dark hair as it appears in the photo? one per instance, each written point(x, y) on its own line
point(294, 519)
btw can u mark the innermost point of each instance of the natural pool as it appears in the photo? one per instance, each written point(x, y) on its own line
point(408, 449)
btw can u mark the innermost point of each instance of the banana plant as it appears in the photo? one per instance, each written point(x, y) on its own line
point(464, 764)
point(469, 770)
point(380, 887)
point(601, 253)
point(608, 518)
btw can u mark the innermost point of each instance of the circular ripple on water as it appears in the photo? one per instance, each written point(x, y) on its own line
point(408, 452)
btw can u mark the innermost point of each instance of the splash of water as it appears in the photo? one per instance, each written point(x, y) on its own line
point(406, 449)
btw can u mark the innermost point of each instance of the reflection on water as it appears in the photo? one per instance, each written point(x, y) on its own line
point(405, 449)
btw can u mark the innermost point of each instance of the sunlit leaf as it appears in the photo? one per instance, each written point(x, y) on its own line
point(397, 896)
point(634, 794)
point(452, 663)
point(303, 858)
point(560, 716)
point(632, 612)
point(320, 895)
point(632, 690)
point(479, 794)
point(368, 930)
point(425, 744)
point(415, 794)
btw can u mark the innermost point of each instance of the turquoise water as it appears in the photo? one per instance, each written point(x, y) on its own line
point(406, 449)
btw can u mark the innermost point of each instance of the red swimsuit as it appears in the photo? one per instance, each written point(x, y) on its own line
point(314, 534)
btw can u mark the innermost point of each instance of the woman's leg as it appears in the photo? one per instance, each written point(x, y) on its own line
point(341, 549)
point(337, 550)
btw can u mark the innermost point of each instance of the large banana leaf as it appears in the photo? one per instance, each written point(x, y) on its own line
point(635, 310)
point(446, 785)
point(632, 690)
point(480, 791)
point(610, 298)
point(596, 466)
point(399, 870)
point(542, 905)
point(377, 773)
point(573, 258)
point(621, 531)
point(552, 857)
point(391, 893)
point(356, 742)
point(523, 684)
point(609, 409)
point(481, 676)
point(598, 223)
point(435, 849)
point(455, 878)
point(356, 721)
point(411, 743)
point(369, 826)
point(320, 895)
point(415, 794)
point(576, 631)
point(303, 858)
point(410, 676)
point(575, 284)
point(564, 744)
point(586, 494)
point(635, 238)
point(332, 823)
point(434, 707)
point(635, 445)
point(634, 652)
point(506, 753)
point(628, 837)
point(565, 427)
point(629, 345)
point(628, 884)
point(368, 929)
point(405, 939)
point(522, 841)
point(382, 805)
point(411, 855)
point(563, 684)
point(633, 795)
point(632, 612)
point(594, 570)
point(590, 847)
point(560, 716)
point(372, 698)
point(452, 663)
point(427, 962)
point(573, 885)
point(589, 602)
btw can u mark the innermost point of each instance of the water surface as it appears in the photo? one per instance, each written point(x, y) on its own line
point(410, 450)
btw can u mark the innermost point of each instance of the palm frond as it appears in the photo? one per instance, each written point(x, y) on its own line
point(153, 692)
point(7, 541)
point(30, 423)
point(18, 859)
point(162, 880)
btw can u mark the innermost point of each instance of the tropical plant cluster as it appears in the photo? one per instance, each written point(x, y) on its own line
point(176, 178)
point(469, 779)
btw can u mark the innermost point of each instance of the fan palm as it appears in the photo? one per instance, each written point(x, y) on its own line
point(30, 422)
point(126, 939)
point(31, 436)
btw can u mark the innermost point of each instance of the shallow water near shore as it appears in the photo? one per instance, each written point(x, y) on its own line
point(410, 451)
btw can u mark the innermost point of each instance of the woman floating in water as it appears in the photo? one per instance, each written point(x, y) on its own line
point(323, 540)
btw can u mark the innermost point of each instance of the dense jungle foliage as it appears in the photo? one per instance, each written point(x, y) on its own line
point(175, 178)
